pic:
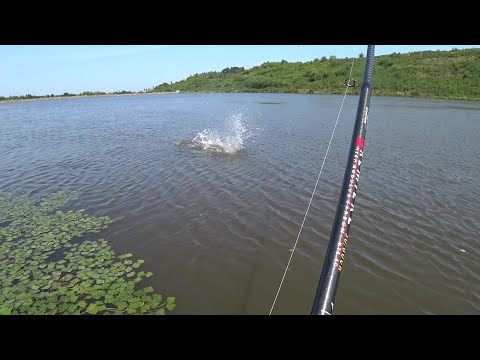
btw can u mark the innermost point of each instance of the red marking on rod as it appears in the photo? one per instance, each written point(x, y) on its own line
point(360, 142)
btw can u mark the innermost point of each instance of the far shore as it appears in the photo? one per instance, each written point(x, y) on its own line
point(212, 92)
point(84, 96)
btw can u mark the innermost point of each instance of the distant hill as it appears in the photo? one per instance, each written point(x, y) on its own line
point(451, 74)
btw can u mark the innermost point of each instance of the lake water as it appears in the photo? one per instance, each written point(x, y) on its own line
point(211, 189)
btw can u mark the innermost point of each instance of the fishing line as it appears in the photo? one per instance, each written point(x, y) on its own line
point(350, 82)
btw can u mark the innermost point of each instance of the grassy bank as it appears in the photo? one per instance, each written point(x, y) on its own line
point(451, 74)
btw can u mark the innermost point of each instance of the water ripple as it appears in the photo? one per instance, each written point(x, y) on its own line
point(211, 190)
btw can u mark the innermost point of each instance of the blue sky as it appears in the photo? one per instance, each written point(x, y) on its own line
point(47, 69)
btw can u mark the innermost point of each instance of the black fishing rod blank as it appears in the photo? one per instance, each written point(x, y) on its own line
point(335, 255)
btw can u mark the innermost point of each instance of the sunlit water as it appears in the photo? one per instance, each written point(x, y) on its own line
point(211, 190)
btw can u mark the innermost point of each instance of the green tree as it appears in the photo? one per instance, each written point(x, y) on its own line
point(435, 74)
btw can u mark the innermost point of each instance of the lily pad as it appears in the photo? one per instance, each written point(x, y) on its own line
point(122, 305)
point(92, 309)
point(84, 270)
point(4, 310)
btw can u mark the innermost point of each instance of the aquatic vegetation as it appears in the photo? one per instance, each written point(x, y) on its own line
point(48, 266)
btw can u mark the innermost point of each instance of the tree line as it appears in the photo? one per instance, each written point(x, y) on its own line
point(453, 74)
point(66, 94)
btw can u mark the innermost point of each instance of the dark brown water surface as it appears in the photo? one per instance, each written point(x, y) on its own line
point(211, 190)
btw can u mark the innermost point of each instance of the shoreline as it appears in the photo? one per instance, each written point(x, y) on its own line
point(80, 96)
point(7, 101)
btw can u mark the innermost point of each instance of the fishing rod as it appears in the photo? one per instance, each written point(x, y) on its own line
point(332, 266)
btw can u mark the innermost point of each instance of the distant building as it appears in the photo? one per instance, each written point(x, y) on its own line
point(176, 92)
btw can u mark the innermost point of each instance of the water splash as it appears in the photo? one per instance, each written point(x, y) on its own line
point(229, 140)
